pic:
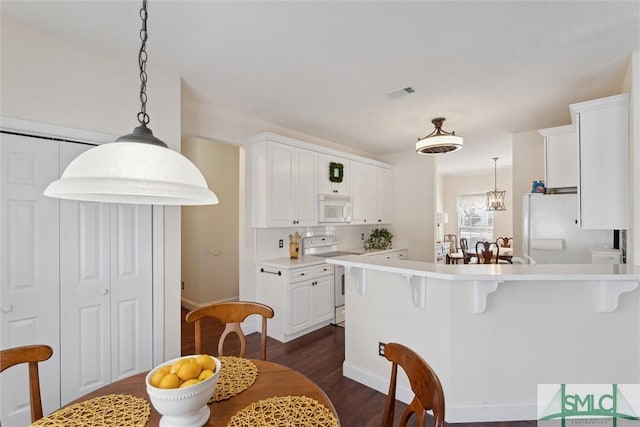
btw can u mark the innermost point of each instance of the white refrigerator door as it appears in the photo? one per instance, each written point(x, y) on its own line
point(551, 218)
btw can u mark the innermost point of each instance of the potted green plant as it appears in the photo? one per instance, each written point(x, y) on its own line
point(380, 238)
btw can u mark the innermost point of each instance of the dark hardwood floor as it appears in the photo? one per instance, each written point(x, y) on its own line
point(319, 356)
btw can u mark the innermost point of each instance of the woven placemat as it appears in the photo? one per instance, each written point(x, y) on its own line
point(236, 375)
point(298, 411)
point(117, 410)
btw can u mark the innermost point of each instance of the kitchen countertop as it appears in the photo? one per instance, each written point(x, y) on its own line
point(309, 260)
point(495, 272)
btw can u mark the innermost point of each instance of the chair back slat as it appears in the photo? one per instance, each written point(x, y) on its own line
point(425, 384)
point(32, 355)
point(231, 314)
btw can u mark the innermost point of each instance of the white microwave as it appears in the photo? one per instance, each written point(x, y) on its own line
point(334, 208)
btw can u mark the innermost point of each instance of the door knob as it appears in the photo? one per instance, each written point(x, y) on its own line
point(7, 308)
point(104, 291)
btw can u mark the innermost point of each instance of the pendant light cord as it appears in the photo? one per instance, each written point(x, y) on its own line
point(143, 117)
point(495, 174)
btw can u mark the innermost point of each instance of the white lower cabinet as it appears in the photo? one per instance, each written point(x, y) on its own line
point(302, 299)
point(76, 276)
point(389, 254)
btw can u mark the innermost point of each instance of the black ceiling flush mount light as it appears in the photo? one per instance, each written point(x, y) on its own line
point(137, 168)
point(439, 141)
point(495, 198)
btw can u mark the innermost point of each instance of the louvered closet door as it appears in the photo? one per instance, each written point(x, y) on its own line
point(105, 291)
point(29, 279)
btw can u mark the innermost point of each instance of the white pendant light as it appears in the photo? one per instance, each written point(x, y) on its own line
point(495, 198)
point(439, 141)
point(137, 168)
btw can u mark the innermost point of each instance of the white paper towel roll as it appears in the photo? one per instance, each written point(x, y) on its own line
point(547, 244)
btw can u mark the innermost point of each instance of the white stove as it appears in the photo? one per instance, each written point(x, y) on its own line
point(326, 246)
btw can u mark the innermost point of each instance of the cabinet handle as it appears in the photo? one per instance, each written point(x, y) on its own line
point(7, 308)
point(576, 221)
point(104, 291)
point(365, 220)
point(262, 270)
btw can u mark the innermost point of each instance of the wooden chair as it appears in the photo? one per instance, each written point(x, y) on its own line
point(31, 354)
point(231, 313)
point(455, 254)
point(424, 383)
point(504, 242)
point(487, 252)
point(464, 248)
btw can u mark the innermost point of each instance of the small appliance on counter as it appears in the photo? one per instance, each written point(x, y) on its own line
point(606, 256)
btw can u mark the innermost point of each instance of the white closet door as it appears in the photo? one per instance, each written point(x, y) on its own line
point(131, 291)
point(106, 291)
point(85, 291)
point(29, 275)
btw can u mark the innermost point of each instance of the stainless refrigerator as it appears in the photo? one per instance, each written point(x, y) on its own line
point(551, 234)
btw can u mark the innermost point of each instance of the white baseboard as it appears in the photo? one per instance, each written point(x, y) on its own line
point(455, 413)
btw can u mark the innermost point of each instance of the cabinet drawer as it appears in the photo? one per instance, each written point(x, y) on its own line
point(299, 274)
point(323, 270)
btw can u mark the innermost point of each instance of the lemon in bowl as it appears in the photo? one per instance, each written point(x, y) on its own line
point(179, 389)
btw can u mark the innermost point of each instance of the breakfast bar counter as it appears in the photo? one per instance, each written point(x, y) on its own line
point(493, 332)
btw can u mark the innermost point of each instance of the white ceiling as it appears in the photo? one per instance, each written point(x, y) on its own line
point(325, 68)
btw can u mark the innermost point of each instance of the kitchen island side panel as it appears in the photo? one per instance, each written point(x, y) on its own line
point(490, 363)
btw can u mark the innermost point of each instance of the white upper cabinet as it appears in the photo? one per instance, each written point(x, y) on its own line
point(603, 140)
point(286, 176)
point(333, 175)
point(285, 185)
point(560, 156)
point(370, 193)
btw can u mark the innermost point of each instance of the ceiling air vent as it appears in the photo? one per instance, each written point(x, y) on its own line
point(398, 93)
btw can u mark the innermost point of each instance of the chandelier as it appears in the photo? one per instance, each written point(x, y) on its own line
point(495, 198)
point(137, 168)
point(438, 141)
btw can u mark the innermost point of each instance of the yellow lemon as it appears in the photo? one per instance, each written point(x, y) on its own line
point(206, 373)
point(157, 377)
point(169, 381)
point(206, 362)
point(188, 370)
point(189, 382)
point(176, 366)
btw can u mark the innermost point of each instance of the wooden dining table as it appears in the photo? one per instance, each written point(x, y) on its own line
point(273, 380)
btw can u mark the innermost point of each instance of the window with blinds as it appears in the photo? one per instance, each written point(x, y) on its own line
point(475, 223)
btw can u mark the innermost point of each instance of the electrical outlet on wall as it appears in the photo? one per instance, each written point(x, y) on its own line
point(362, 236)
point(281, 243)
point(182, 285)
point(381, 348)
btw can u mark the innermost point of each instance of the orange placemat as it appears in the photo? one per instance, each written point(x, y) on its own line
point(290, 411)
point(117, 410)
point(236, 375)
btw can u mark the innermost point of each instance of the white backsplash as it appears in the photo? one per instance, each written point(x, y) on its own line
point(349, 237)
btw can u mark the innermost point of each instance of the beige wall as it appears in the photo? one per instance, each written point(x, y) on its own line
point(210, 233)
point(528, 166)
point(413, 203)
point(62, 82)
point(456, 185)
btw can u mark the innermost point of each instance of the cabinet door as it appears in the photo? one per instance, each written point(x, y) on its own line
point(383, 194)
point(324, 305)
point(325, 186)
point(29, 270)
point(280, 200)
point(561, 160)
point(300, 316)
point(370, 194)
point(604, 162)
point(357, 192)
point(305, 181)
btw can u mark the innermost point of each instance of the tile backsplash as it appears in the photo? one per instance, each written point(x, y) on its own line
point(349, 236)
